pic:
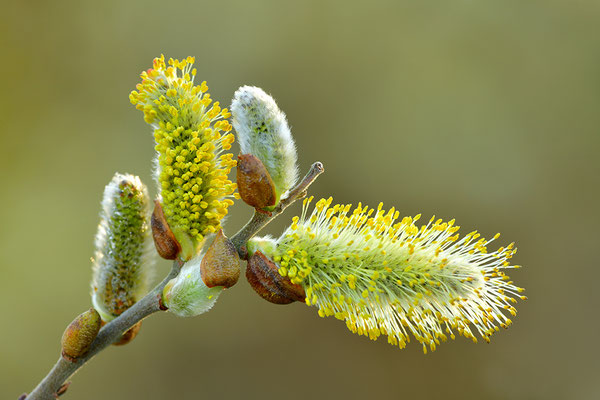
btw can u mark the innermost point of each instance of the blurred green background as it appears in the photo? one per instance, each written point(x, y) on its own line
point(483, 111)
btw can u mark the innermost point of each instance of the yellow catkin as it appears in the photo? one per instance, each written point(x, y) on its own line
point(191, 136)
point(388, 276)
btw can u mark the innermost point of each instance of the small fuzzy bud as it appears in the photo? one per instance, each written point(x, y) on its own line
point(263, 131)
point(124, 258)
point(80, 334)
point(187, 295)
point(255, 185)
point(220, 265)
point(164, 240)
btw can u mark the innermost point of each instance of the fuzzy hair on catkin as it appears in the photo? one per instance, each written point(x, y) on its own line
point(385, 276)
point(263, 131)
point(123, 263)
point(187, 295)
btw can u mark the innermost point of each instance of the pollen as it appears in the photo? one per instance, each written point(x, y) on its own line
point(191, 136)
point(397, 278)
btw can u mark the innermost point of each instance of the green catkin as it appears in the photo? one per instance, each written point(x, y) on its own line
point(124, 257)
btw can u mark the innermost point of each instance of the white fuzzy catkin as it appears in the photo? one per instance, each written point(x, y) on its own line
point(186, 295)
point(124, 258)
point(263, 131)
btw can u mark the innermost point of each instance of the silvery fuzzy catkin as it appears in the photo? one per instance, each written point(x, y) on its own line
point(187, 295)
point(125, 255)
point(390, 277)
point(263, 131)
point(202, 279)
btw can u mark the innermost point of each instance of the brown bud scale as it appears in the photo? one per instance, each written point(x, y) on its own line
point(220, 265)
point(129, 335)
point(265, 279)
point(63, 389)
point(255, 185)
point(166, 245)
point(80, 334)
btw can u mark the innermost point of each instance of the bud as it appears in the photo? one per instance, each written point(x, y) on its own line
point(62, 389)
point(190, 138)
point(129, 335)
point(80, 334)
point(254, 182)
point(220, 265)
point(187, 295)
point(263, 276)
point(384, 276)
point(263, 131)
point(165, 242)
point(124, 257)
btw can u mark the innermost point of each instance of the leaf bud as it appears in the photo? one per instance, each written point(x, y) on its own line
point(166, 245)
point(255, 185)
point(80, 334)
point(220, 265)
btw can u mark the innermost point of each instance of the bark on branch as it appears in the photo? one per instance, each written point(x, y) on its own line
point(53, 384)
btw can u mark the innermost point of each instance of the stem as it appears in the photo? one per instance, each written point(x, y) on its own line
point(110, 333)
point(47, 389)
point(261, 219)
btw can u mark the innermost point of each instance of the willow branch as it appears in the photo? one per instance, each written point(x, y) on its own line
point(54, 382)
point(109, 334)
point(260, 219)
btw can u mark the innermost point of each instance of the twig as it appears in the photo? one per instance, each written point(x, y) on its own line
point(50, 386)
point(47, 389)
point(260, 219)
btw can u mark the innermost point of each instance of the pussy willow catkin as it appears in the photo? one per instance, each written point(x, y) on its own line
point(263, 131)
point(124, 258)
point(191, 136)
point(388, 276)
